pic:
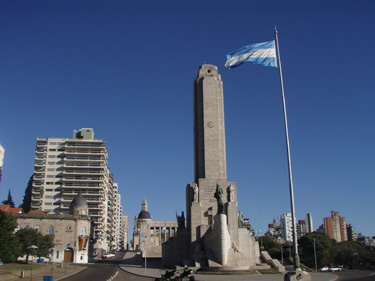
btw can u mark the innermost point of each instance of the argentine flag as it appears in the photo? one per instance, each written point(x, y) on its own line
point(259, 53)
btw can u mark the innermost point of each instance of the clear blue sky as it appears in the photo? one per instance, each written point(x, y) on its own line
point(126, 69)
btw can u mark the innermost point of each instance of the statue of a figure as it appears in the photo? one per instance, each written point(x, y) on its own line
point(219, 198)
point(181, 220)
point(240, 220)
point(195, 190)
point(231, 193)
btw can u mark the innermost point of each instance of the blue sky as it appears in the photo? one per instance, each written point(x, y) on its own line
point(126, 69)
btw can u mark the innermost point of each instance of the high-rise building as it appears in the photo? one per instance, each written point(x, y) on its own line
point(125, 232)
point(309, 223)
point(2, 151)
point(335, 227)
point(286, 227)
point(66, 167)
point(301, 228)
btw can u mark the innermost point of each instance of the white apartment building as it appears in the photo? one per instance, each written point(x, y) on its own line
point(65, 167)
point(286, 227)
point(117, 241)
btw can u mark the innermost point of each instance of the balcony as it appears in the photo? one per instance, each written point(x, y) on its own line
point(81, 172)
point(91, 165)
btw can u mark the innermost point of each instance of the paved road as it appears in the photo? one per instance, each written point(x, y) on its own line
point(94, 272)
point(128, 268)
point(356, 275)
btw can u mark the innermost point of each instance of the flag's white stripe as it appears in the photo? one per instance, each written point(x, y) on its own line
point(260, 53)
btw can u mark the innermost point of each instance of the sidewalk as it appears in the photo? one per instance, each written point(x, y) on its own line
point(134, 264)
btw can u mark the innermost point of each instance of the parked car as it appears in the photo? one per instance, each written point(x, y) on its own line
point(324, 268)
point(335, 268)
point(109, 255)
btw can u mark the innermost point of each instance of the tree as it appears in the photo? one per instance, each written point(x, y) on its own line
point(28, 237)
point(348, 253)
point(9, 246)
point(271, 246)
point(9, 201)
point(323, 247)
point(26, 204)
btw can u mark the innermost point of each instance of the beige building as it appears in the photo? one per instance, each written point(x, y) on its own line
point(71, 232)
point(149, 235)
point(124, 236)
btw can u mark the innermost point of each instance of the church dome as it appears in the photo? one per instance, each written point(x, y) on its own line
point(144, 215)
point(79, 201)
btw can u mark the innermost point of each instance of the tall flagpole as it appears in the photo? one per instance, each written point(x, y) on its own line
point(295, 245)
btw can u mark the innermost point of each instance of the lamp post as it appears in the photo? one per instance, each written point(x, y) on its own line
point(32, 248)
point(51, 257)
point(316, 263)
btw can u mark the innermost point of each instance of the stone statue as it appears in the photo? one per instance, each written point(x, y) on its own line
point(181, 220)
point(231, 193)
point(195, 190)
point(219, 198)
point(240, 220)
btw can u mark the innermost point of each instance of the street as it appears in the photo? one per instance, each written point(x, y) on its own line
point(105, 269)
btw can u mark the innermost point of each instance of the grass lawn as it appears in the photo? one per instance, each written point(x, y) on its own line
point(12, 271)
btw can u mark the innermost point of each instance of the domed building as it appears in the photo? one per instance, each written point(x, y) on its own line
point(149, 235)
point(71, 232)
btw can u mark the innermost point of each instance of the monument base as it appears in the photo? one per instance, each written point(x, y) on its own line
point(298, 275)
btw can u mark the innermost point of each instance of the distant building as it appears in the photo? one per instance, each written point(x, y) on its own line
point(335, 227)
point(309, 223)
point(366, 240)
point(282, 230)
point(65, 167)
point(274, 230)
point(286, 227)
point(301, 228)
point(352, 235)
point(125, 232)
point(149, 235)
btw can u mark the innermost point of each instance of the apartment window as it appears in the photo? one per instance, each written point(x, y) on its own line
point(83, 230)
point(48, 204)
point(57, 254)
point(53, 143)
point(49, 189)
point(51, 163)
point(37, 227)
point(52, 149)
point(50, 183)
point(51, 231)
point(49, 196)
point(51, 156)
point(50, 176)
point(50, 170)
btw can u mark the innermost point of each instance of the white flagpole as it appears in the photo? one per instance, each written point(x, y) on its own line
point(295, 245)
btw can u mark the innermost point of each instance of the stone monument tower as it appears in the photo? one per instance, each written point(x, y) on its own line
point(216, 236)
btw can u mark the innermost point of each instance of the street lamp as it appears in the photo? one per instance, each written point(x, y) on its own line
point(32, 249)
point(51, 257)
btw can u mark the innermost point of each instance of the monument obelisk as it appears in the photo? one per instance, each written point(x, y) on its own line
point(212, 236)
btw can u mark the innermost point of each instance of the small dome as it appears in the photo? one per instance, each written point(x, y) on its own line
point(144, 215)
point(79, 200)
